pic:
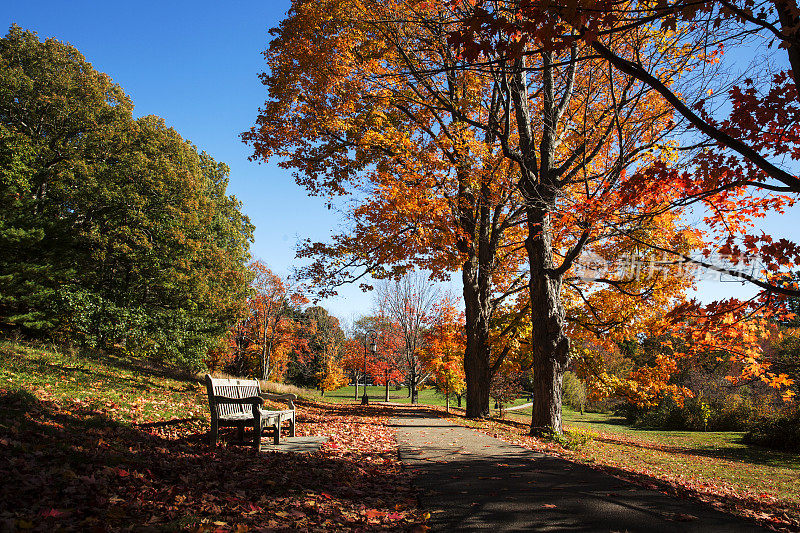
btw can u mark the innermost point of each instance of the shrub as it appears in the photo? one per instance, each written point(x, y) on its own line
point(579, 437)
point(780, 432)
point(574, 391)
point(734, 413)
point(731, 412)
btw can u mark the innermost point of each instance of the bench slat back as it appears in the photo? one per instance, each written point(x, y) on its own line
point(232, 388)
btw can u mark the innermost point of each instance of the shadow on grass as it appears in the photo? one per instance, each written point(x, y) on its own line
point(76, 468)
point(745, 454)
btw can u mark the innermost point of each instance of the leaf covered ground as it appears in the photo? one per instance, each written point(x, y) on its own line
point(111, 445)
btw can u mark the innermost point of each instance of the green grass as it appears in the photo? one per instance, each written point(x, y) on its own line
point(426, 396)
point(130, 390)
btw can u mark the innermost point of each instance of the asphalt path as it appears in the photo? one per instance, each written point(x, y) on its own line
point(470, 481)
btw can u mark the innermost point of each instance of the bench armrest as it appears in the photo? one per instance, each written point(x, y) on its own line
point(288, 397)
point(238, 401)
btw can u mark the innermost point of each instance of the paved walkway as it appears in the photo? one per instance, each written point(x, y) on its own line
point(518, 407)
point(470, 481)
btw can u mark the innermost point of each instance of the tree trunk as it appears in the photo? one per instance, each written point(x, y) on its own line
point(264, 365)
point(386, 399)
point(413, 385)
point(476, 355)
point(549, 342)
point(547, 379)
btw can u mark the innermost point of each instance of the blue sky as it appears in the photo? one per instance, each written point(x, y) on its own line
point(196, 64)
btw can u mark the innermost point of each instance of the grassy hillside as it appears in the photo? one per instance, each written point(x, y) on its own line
point(108, 443)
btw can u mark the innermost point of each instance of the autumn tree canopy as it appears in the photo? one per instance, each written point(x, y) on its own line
point(269, 333)
point(734, 169)
point(737, 167)
point(568, 131)
point(428, 191)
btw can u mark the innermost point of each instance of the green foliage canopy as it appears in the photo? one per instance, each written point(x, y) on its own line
point(113, 230)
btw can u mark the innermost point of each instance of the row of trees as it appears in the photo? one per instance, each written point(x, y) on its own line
point(113, 230)
point(281, 338)
point(514, 143)
point(418, 334)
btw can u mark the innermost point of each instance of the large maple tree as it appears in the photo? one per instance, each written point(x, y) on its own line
point(573, 137)
point(424, 190)
point(736, 169)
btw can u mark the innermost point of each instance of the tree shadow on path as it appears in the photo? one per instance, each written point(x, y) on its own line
point(470, 481)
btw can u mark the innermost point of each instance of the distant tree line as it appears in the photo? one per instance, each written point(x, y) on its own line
point(114, 231)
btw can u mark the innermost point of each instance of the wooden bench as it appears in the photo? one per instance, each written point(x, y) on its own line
point(238, 403)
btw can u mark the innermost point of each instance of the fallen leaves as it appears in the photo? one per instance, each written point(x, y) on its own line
point(68, 464)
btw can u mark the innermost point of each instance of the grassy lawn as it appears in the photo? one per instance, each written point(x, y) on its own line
point(426, 396)
point(123, 389)
point(108, 443)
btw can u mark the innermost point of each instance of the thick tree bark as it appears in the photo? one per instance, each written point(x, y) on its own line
point(547, 379)
point(481, 250)
point(548, 339)
point(476, 356)
point(539, 185)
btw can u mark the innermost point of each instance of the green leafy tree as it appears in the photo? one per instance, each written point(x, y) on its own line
point(58, 119)
point(113, 231)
